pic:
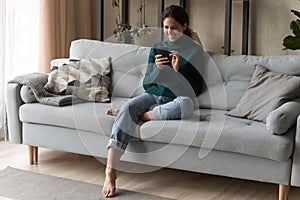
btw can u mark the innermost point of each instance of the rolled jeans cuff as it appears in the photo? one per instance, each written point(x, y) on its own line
point(117, 145)
point(157, 114)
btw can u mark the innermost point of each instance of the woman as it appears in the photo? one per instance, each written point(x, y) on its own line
point(171, 82)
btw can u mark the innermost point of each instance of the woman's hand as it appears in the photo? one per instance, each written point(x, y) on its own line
point(161, 61)
point(175, 60)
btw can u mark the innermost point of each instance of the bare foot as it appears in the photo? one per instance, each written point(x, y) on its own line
point(109, 186)
point(112, 111)
point(147, 116)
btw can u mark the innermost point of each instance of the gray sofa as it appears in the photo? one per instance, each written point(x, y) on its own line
point(208, 142)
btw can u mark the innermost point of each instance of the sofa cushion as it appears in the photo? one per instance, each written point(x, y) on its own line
point(228, 77)
point(214, 131)
point(85, 116)
point(266, 92)
point(220, 132)
point(281, 119)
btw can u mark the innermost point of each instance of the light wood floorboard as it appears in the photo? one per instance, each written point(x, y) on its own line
point(170, 183)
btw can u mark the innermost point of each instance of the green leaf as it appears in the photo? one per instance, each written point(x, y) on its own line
point(125, 26)
point(115, 31)
point(297, 13)
point(295, 27)
point(115, 3)
point(291, 42)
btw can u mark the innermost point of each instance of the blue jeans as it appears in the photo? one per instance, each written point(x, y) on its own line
point(164, 108)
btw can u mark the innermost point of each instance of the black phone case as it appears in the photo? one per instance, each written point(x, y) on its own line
point(164, 51)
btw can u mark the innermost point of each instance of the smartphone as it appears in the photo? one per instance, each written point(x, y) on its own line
point(164, 51)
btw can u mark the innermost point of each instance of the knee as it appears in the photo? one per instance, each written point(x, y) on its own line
point(130, 110)
point(129, 106)
point(186, 106)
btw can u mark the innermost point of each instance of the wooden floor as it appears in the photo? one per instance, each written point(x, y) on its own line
point(164, 182)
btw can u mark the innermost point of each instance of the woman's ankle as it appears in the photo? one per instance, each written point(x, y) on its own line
point(111, 172)
point(147, 116)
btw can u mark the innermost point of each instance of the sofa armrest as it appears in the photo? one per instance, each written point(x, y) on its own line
point(280, 120)
point(13, 103)
point(295, 175)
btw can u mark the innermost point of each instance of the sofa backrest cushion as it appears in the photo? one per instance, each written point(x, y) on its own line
point(228, 77)
point(129, 63)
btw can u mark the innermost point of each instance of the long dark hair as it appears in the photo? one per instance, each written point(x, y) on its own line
point(180, 15)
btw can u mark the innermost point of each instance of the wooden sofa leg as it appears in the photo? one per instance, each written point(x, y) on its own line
point(33, 154)
point(284, 192)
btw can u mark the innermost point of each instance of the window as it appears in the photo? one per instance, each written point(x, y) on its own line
point(23, 36)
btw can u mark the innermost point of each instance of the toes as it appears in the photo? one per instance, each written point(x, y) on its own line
point(109, 187)
point(112, 111)
point(104, 192)
point(111, 194)
point(108, 111)
point(107, 192)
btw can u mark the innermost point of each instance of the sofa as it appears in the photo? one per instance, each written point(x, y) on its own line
point(211, 141)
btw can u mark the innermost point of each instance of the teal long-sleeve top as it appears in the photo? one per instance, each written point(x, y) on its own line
point(187, 81)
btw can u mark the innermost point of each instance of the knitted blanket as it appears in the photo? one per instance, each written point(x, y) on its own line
point(36, 82)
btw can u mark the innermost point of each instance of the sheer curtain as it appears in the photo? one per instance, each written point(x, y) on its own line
point(35, 31)
point(19, 33)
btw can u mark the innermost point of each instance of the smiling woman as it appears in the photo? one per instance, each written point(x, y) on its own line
point(19, 32)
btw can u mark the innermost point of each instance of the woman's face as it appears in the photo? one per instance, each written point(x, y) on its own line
point(173, 29)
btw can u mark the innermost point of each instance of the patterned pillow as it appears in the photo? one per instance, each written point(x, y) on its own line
point(87, 79)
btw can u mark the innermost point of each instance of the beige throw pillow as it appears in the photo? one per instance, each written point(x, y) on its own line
point(267, 91)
